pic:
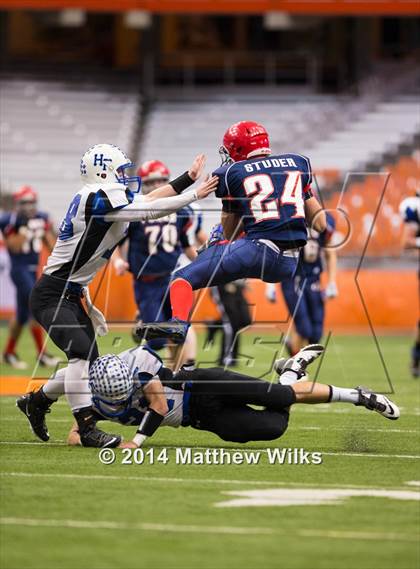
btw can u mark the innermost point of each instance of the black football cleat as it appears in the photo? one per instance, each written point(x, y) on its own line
point(35, 408)
point(90, 435)
point(94, 437)
point(175, 330)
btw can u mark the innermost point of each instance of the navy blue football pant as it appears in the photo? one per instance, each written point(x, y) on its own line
point(305, 302)
point(24, 281)
point(152, 299)
point(245, 258)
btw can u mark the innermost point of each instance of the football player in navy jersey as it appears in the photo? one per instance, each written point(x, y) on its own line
point(303, 294)
point(25, 230)
point(152, 250)
point(410, 214)
point(268, 198)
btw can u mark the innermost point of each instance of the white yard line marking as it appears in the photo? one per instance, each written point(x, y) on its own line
point(112, 525)
point(359, 535)
point(85, 524)
point(189, 480)
point(231, 449)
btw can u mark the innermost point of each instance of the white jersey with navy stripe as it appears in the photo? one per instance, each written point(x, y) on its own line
point(96, 221)
point(85, 240)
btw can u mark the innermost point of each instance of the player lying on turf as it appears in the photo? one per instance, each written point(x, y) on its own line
point(135, 389)
point(268, 198)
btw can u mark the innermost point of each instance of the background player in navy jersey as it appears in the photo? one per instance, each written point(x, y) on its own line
point(303, 295)
point(25, 230)
point(410, 213)
point(268, 198)
point(151, 253)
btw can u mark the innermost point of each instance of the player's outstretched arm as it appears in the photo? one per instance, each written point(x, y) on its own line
point(315, 215)
point(140, 210)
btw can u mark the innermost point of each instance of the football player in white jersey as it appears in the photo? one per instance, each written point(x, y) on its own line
point(135, 389)
point(410, 213)
point(96, 221)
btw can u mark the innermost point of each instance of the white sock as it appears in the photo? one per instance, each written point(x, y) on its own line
point(289, 377)
point(343, 395)
point(54, 387)
point(76, 384)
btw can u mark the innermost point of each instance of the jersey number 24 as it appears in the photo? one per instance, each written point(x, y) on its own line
point(260, 187)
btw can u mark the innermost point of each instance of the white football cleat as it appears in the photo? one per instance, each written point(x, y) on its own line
point(377, 402)
point(299, 362)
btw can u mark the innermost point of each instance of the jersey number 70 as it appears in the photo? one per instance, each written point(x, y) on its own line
point(260, 187)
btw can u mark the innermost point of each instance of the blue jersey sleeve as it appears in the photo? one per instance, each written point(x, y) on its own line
point(222, 190)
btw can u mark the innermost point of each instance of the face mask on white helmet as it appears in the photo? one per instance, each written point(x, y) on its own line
point(112, 384)
point(107, 164)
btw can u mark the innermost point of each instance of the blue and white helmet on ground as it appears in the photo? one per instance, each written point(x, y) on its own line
point(112, 385)
point(106, 164)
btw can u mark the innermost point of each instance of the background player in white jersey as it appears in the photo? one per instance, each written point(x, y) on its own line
point(410, 213)
point(96, 221)
point(135, 389)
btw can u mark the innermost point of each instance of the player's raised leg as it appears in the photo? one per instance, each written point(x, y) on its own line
point(218, 265)
point(293, 373)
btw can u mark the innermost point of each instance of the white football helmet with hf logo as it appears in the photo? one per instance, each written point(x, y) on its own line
point(106, 164)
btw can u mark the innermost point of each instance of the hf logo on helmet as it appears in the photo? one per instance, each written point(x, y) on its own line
point(99, 160)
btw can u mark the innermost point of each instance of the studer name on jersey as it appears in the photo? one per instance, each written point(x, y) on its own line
point(269, 163)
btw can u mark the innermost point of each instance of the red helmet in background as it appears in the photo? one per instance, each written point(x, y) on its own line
point(244, 140)
point(153, 170)
point(25, 193)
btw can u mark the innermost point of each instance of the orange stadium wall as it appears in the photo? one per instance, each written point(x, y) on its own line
point(390, 297)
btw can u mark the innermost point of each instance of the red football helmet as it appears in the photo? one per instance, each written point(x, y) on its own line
point(25, 193)
point(244, 140)
point(153, 170)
